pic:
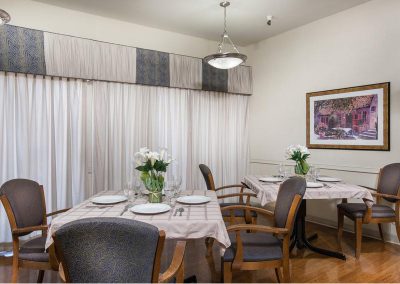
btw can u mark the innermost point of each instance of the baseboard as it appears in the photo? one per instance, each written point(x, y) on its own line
point(348, 228)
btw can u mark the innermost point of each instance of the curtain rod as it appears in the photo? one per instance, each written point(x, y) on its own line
point(52, 77)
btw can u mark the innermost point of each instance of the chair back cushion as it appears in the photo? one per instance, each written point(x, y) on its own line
point(26, 201)
point(107, 250)
point(389, 181)
point(286, 194)
point(208, 177)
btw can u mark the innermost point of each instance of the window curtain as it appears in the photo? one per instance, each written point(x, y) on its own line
point(77, 138)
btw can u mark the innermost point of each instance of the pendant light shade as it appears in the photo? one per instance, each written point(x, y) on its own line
point(225, 60)
point(221, 59)
point(4, 17)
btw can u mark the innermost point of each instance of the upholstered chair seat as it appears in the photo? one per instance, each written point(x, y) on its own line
point(256, 247)
point(358, 210)
point(36, 244)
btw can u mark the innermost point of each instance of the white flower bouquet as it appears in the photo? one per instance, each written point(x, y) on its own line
point(152, 166)
point(299, 154)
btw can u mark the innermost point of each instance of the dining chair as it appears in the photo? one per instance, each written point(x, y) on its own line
point(25, 206)
point(114, 250)
point(388, 189)
point(239, 214)
point(265, 246)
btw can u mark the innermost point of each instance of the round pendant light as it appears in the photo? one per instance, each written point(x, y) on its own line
point(221, 59)
point(4, 17)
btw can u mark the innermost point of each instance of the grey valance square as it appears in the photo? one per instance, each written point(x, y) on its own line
point(21, 50)
point(214, 79)
point(152, 67)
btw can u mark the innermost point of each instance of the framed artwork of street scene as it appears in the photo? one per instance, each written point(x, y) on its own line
point(354, 118)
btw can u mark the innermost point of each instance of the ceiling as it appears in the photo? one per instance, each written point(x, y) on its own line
point(204, 18)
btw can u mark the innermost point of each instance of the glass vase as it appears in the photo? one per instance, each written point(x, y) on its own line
point(154, 184)
point(301, 168)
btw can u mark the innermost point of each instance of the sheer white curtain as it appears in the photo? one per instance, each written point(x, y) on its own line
point(78, 138)
point(41, 130)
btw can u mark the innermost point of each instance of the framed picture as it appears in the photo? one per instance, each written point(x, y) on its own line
point(351, 118)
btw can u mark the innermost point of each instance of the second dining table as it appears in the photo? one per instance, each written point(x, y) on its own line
point(268, 192)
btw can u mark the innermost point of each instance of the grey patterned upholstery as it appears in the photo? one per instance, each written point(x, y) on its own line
point(389, 182)
point(265, 246)
point(34, 250)
point(107, 250)
point(256, 247)
point(286, 194)
point(358, 210)
point(26, 202)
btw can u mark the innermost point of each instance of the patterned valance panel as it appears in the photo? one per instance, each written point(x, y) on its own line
point(25, 50)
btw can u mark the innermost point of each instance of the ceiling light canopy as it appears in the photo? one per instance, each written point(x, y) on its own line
point(4, 17)
point(225, 60)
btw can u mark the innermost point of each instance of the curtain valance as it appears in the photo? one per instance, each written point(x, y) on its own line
point(24, 50)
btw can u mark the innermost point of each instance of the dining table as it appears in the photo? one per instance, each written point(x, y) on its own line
point(268, 191)
point(182, 222)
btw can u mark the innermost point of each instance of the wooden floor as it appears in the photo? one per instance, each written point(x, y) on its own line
point(378, 263)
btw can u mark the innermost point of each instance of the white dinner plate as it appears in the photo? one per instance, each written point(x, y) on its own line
point(329, 179)
point(271, 179)
point(150, 208)
point(314, 184)
point(109, 199)
point(194, 199)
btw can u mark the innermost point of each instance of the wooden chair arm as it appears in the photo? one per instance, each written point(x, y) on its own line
point(397, 198)
point(230, 186)
point(258, 228)
point(248, 194)
point(367, 187)
point(57, 212)
point(176, 266)
point(18, 231)
point(250, 208)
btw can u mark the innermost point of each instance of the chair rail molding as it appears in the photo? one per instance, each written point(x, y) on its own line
point(332, 167)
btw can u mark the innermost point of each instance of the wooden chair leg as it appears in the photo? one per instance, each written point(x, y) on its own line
point(381, 232)
point(180, 275)
point(358, 231)
point(15, 269)
point(398, 229)
point(40, 276)
point(227, 272)
point(340, 227)
point(286, 270)
point(209, 245)
point(278, 274)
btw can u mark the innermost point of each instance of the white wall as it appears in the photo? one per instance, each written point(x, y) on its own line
point(356, 47)
point(36, 15)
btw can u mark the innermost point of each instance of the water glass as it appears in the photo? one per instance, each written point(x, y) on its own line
point(128, 191)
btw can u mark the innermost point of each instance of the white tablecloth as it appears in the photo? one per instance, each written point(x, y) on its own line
point(268, 192)
point(197, 221)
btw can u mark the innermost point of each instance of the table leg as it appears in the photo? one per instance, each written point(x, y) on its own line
point(301, 241)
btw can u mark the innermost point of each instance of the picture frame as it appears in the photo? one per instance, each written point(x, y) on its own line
point(355, 118)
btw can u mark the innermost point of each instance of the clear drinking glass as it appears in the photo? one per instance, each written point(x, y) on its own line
point(128, 190)
point(284, 171)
